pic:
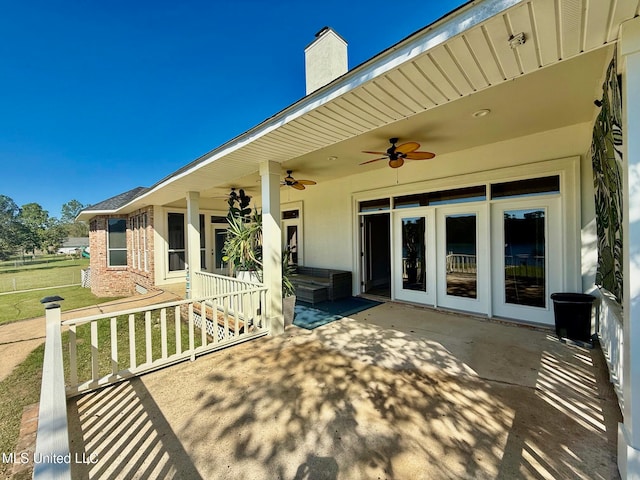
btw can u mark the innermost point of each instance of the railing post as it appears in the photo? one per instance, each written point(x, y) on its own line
point(52, 440)
point(197, 288)
point(193, 240)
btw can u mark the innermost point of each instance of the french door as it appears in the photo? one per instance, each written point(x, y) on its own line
point(500, 259)
point(414, 254)
point(527, 257)
point(291, 241)
point(218, 234)
point(462, 253)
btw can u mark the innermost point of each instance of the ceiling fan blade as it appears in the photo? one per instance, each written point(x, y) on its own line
point(306, 182)
point(298, 186)
point(396, 163)
point(407, 147)
point(375, 153)
point(419, 155)
point(374, 160)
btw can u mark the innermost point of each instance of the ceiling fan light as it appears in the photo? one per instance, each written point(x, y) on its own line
point(396, 154)
point(290, 181)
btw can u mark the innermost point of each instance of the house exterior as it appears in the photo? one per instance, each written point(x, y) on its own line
point(73, 245)
point(121, 263)
point(532, 108)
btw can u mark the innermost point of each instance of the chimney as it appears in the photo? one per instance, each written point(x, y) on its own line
point(325, 59)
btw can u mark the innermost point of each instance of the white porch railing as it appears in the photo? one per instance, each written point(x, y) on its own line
point(207, 284)
point(108, 348)
point(461, 263)
point(105, 349)
point(611, 336)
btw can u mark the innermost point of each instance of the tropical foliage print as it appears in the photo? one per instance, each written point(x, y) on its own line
point(606, 154)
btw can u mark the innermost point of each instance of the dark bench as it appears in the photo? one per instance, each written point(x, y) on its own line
point(311, 293)
point(315, 285)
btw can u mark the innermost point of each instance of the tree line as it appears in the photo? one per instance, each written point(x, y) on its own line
point(29, 228)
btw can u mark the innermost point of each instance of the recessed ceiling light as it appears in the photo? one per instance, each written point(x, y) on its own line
point(481, 113)
point(332, 158)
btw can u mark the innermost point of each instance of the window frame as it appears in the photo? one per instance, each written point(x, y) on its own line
point(139, 244)
point(171, 250)
point(111, 249)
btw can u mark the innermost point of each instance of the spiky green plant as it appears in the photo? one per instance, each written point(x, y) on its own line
point(243, 245)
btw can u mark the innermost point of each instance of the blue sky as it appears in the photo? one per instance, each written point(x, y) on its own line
point(97, 98)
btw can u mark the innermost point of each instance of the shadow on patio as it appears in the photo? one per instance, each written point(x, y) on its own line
point(442, 397)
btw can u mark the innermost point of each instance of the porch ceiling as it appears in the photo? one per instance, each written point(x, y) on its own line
point(425, 89)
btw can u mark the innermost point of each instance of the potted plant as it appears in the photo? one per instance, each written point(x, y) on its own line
point(243, 244)
point(243, 249)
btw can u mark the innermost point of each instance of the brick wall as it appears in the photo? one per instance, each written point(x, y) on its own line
point(109, 281)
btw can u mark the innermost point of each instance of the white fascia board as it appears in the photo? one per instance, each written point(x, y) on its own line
point(465, 18)
point(89, 214)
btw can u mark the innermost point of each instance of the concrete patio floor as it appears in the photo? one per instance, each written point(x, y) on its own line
point(395, 392)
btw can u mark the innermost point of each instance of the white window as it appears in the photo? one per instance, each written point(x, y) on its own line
point(176, 251)
point(178, 239)
point(117, 242)
point(145, 244)
point(134, 249)
point(292, 232)
point(139, 248)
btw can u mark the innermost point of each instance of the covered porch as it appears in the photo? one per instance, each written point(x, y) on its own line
point(436, 395)
point(499, 114)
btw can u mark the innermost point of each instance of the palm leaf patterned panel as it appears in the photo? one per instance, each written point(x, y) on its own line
point(606, 155)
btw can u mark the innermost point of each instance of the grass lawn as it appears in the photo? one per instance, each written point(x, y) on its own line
point(22, 387)
point(18, 390)
point(41, 273)
point(44, 272)
point(19, 306)
point(31, 262)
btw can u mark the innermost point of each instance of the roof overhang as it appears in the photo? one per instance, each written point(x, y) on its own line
point(424, 88)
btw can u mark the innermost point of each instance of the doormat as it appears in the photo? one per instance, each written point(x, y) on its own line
point(313, 316)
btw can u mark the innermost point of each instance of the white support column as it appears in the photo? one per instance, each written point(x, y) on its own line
point(272, 244)
point(629, 431)
point(193, 240)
